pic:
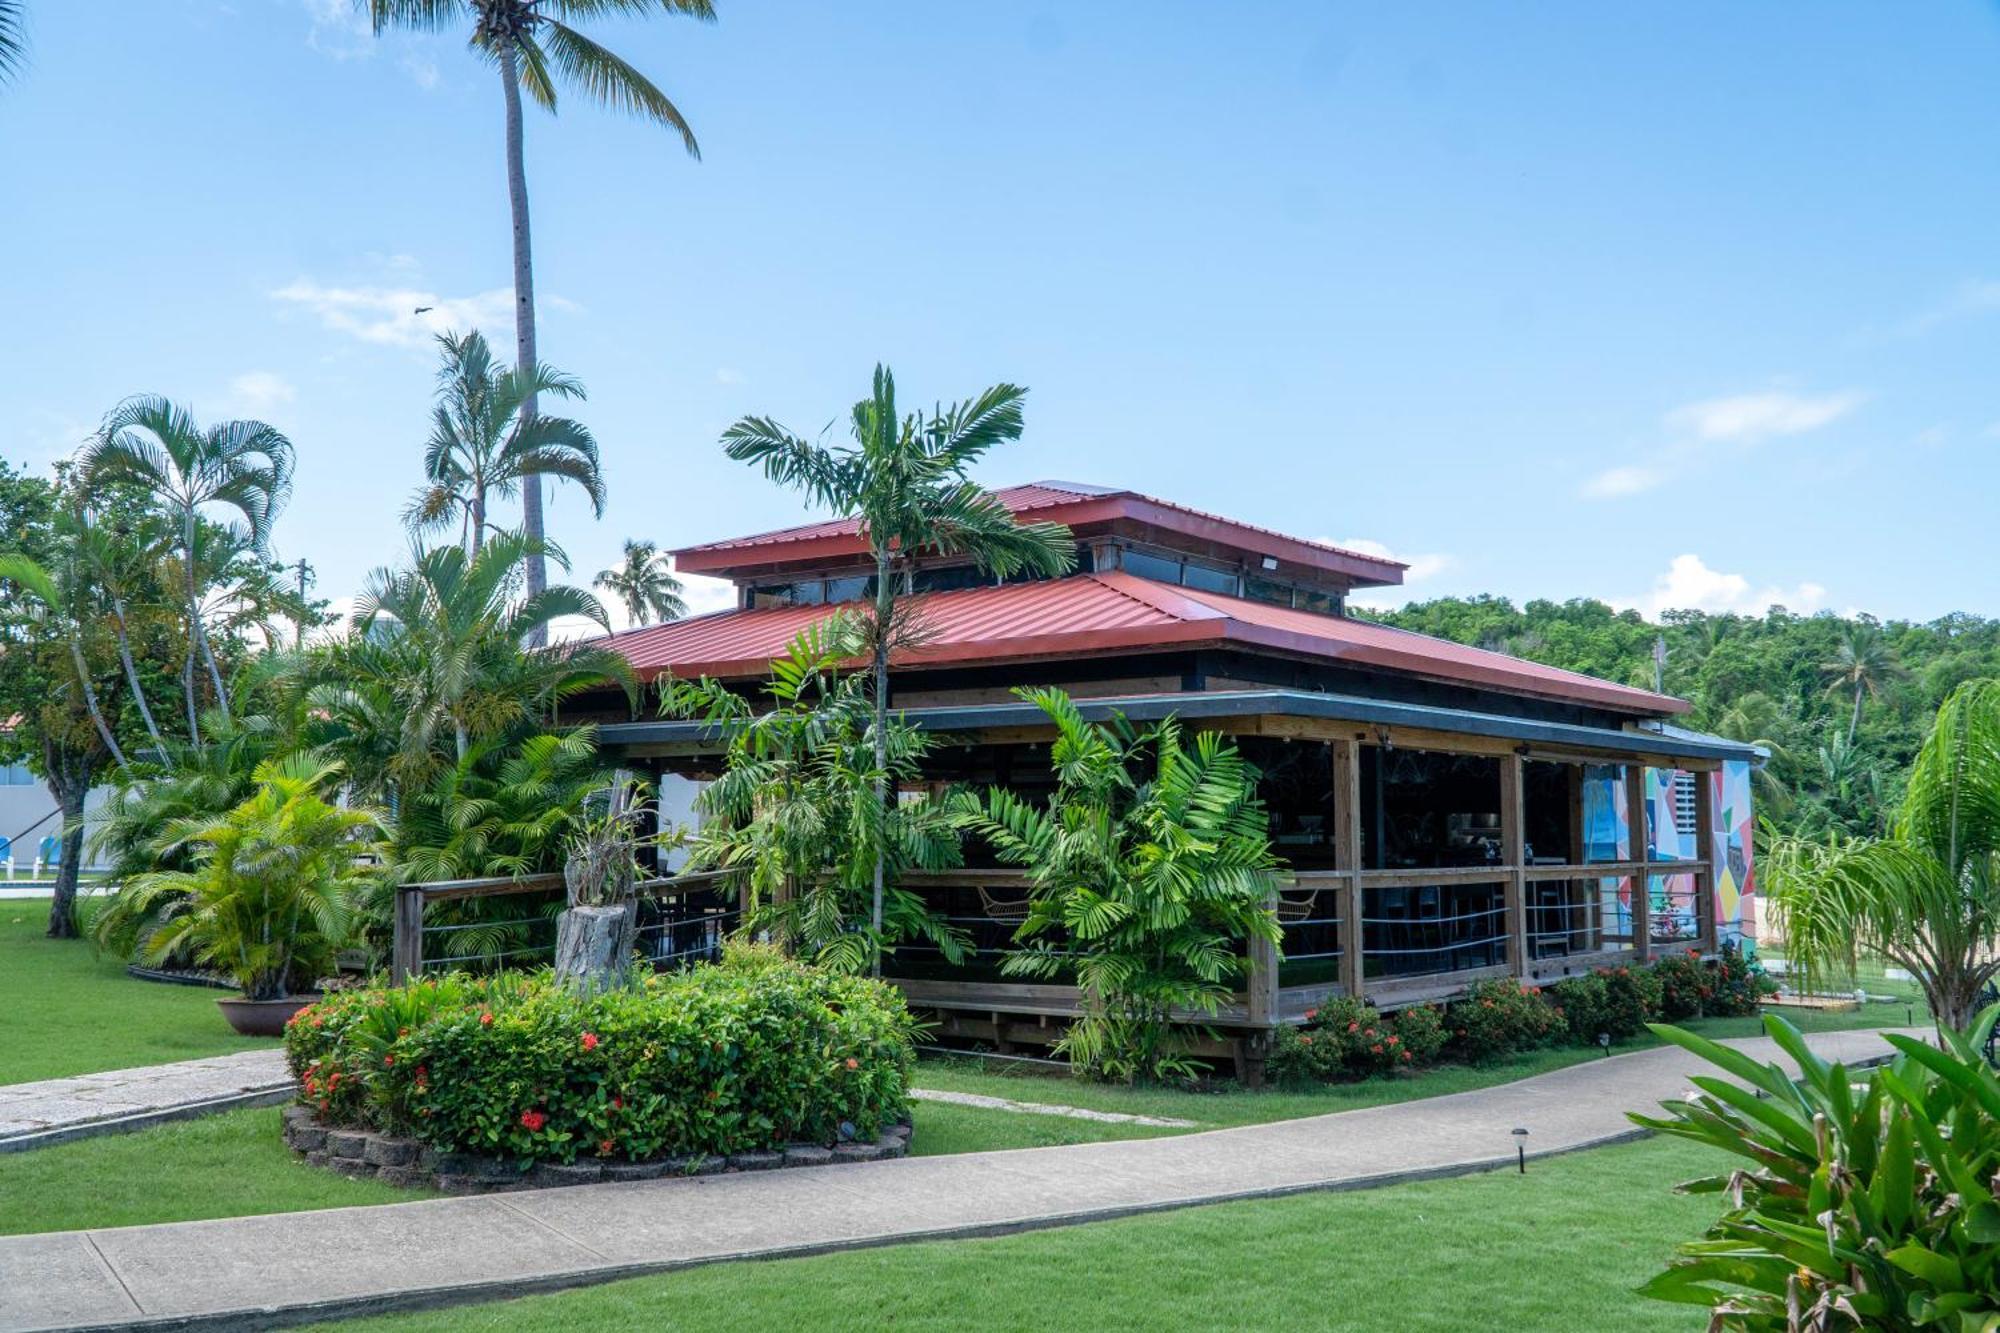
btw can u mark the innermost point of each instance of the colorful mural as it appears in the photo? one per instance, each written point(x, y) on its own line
point(1669, 811)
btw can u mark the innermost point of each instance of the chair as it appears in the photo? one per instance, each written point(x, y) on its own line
point(1296, 907)
point(47, 853)
point(7, 856)
point(1009, 911)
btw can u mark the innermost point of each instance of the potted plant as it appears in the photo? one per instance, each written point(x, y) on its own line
point(269, 900)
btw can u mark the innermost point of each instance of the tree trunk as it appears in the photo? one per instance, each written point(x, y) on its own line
point(69, 787)
point(1854, 722)
point(90, 702)
point(132, 678)
point(885, 607)
point(477, 537)
point(525, 358)
point(194, 619)
point(594, 946)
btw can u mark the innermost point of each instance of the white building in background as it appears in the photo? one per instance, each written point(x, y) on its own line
point(27, 815)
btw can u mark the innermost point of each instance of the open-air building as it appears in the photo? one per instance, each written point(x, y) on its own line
point(1447, 813)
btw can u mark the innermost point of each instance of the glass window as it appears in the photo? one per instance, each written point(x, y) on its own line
point(1311, 599)
point(1150, 566)
point(851, 589)
point(1264, 590)
point(952, 577)
point(1207, 579)
point(810, 592)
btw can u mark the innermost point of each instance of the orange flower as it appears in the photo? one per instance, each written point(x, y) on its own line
point(486, 1020)
point(590, 1041)
point(606, 1146)
point(853, 1063)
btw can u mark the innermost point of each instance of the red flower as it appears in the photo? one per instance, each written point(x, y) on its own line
point(1376, 1049)
point(486, 1020)
point(1406, 1055)
point(1354, 1027)
point(853, 1063)
point(318, 1022)
point(1305, 1040)
point(605, 1147)
point(1311, 1014)
point(617, 1103)
point(533, 1120)
point(388, 1060)
point(590, 1041)
point(1393, 1041)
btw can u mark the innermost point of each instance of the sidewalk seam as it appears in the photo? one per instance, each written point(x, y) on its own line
point(90, 1242)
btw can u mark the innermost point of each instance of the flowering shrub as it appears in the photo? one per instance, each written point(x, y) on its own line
point(1738, 985)
point(1501, 1016)
point(1686, 983)
point(1346, 1039)
point(748, 1055)
point(1423, 1031)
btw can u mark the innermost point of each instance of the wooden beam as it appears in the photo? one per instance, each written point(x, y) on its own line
point(1513, 851)
point(1706, 886)
point(1347, 858)
point(1642, 850)
point(406, 958)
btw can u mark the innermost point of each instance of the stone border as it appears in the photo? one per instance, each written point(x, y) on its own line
point(408, 1164)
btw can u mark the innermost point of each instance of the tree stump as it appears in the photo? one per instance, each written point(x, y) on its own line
point(594, 945)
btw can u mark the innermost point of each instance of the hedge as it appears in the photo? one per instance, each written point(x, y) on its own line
point(748, 1055)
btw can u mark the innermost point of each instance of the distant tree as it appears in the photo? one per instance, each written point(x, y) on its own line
point(904, 478)
point(1863, 665)
point(645, 584)
point(487, 441)
point(534, 47)
point(241, 466)
point(13, 40)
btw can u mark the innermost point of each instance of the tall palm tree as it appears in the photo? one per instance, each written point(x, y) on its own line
point(244, 466)
point(645, 583)
point(904, 478)
point(486, 442)
point(1862, 665)
point(533, 46)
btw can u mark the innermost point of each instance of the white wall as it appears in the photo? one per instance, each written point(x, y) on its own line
point(22, 806)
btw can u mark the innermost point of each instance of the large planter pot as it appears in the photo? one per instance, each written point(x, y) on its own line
point(262, 1018)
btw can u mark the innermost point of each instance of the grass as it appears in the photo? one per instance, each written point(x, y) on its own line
point(67, 1009)
point(1560, 1248)
point(229, 1165)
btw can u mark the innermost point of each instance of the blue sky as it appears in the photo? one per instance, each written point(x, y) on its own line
point(1669, 303)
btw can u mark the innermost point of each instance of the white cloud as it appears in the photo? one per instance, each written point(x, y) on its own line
point(728, 376)
point(1617, 482)
point(1973, 296)
point(340, 29)
point(400, 316)
point(703, 594)
point(1749, 417)
point(258, 391)
point(1422, 566)
point(1690, 585)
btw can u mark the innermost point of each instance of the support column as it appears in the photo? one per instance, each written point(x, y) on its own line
point(1514, 855)
point(406, 957)
point(1642, 851)
point(1260, 998)
point(1708, 883)
point(1588, 908)
point(1347, 857)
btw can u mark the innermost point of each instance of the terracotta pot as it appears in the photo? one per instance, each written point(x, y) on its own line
point(263, 1018)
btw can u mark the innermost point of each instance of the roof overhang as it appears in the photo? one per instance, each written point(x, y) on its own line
point(1555, 738)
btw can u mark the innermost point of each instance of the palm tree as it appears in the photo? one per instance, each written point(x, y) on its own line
point(532, 45)
point(1863, 665)
point(645, 583)
point(1927, 896)
point(904, 479)
point(245, 466)
point(443, 639)
point(1755, 718)
point(13, 40)
point(486, 442)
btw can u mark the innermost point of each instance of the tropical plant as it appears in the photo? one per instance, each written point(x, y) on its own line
point(440, 641)
point(1150, 872)
point(243, 466)
point(645, 583)
point(1927, 896)
point(1862, 665)
point(534, 47)
point(1866, 1200)
point(486, 442)
point(270, 898)
point(904, 479)
point(13, 40)
point(796, 811)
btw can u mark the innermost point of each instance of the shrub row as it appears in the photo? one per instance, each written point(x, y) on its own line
point(1348, 1039)
point(752, 1054)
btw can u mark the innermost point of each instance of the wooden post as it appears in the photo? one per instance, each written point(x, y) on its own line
point(1593, 924)
point(1642, 845)
point(1707, 884)
point(1514, 856)
point(406, 959)
point(1261, 996)
point(1347, 857)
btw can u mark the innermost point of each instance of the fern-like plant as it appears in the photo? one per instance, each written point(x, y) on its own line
point(1151, 870)
point(270, 899)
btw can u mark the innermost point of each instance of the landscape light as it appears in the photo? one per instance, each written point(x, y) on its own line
point(1521, 1150)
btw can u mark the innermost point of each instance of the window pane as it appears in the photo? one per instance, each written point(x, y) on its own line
point(1208, 580)
point(1150, 566)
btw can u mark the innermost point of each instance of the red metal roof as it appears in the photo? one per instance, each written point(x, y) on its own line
point(1056, 502)
point(1115, 612)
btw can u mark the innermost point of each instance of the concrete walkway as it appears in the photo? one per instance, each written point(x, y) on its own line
point(297, 1267)
point(36, 1115)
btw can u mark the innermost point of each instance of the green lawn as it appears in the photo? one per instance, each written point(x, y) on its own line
point(1559, 1249)
point(67, 1009)
point(229, 1165)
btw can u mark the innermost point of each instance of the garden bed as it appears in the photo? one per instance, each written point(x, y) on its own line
point(408, 1163)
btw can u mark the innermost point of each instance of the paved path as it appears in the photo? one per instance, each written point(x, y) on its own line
point(985, 1103)
point(295, 1267)
point(35, 1115)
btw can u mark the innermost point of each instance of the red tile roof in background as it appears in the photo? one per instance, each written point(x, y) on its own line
point(1056, 502)
point(1116, 612)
